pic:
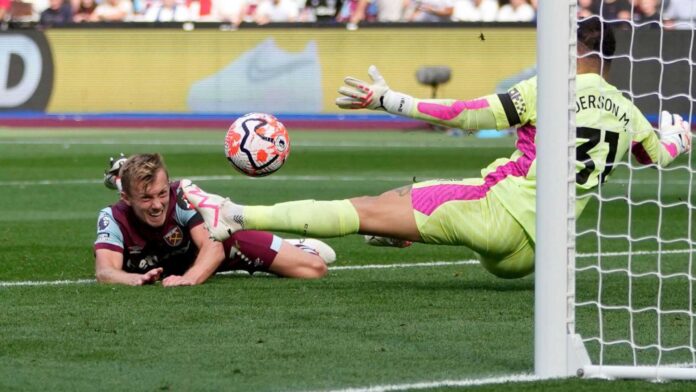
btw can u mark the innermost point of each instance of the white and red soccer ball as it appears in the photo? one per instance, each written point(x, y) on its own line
point(257, 144)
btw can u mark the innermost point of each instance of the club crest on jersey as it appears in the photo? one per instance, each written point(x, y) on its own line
point(174, 237)
point(104, 222)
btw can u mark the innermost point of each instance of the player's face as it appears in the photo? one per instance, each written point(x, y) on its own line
point(150, 203)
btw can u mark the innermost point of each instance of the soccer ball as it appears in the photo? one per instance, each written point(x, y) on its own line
point(257, 144)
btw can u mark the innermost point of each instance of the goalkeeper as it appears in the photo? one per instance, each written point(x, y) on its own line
point(494, 215)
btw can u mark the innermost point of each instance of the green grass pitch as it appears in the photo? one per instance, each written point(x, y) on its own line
point(416, 322)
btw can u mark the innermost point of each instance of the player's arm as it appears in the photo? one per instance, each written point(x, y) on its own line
point(489, 112)
point(210, 255)
point(108, 269)
point(673, 139)
point(108, 255)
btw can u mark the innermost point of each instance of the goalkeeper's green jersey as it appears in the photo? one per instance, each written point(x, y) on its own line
point(608, 125)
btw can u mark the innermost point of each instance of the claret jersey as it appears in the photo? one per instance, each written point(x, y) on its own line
point(171, 246)
point(145, 247)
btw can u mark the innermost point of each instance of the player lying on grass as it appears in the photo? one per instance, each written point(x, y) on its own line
point(151, 234)
point(493, 215)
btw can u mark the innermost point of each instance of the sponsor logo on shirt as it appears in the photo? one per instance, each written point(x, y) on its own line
point(257, 263)
point(148, 262)
point(145, 264)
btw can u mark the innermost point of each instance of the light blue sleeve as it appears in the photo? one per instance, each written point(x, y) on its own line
point(108, 232)
point(184, 216)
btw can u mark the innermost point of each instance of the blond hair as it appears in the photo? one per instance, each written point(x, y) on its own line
point(141, 168)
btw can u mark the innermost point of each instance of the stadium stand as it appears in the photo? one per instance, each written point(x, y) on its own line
point(257, 11)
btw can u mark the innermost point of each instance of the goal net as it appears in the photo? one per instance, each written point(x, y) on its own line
point(615, 287)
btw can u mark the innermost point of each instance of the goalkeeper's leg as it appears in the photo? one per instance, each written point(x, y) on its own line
point(389, 214)
point(437, 212)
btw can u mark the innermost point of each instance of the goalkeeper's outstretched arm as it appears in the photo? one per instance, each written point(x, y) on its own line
point(662, 148)
point(467, 115)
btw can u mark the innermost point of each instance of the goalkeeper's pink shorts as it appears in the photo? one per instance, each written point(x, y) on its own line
point(464, 212)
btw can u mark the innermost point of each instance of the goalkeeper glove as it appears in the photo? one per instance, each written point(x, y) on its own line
point(674, 130)
point(358, 94)
point(112, 177)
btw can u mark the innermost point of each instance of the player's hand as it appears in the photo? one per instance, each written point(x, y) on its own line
point(112, 178)
point(175, 280)
point(674, 130)
point(149, 277)
point(358, 94)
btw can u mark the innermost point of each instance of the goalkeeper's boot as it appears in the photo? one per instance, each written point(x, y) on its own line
point(314, 246)
point(376, 240)
point(222, 217)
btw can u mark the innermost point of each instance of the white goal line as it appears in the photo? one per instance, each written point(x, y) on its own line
point(468, 382)
point(347, 268)
point(31, 283)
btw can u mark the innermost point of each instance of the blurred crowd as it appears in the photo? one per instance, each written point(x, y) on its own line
point(351, 12)
point(677, 13)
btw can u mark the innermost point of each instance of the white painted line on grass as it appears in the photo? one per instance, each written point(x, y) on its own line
point(348, 267)
point(108, 142)
point(46, 282)
point(406, 178)
point(402, 179)
point(336, 268)
point(403, 265)
point(50, 182)
point(307, 144)
point(468, 382)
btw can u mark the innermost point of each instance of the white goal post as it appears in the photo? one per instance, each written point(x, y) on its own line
point(560, 347)
point(554, 345)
